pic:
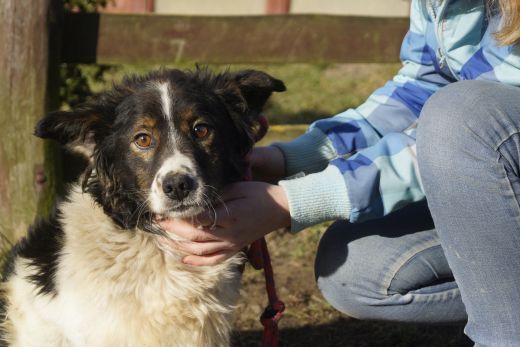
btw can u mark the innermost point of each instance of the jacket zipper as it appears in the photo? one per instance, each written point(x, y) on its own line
point(443, 61)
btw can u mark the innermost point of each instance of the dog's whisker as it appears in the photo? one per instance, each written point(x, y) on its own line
point(218, 197)
point(142, 209)
point(211, 207)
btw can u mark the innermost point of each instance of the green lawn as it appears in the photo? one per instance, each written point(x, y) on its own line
point(313, 91)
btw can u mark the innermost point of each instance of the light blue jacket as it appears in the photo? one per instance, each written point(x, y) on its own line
point(361, 164)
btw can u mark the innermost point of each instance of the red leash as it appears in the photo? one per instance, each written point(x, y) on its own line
point(258, 256)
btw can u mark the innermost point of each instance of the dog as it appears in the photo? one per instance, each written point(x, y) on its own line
point(94, 274)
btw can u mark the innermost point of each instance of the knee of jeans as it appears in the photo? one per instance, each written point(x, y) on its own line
point(460, 106)
point(460, 112)
point(464, 104)
point(344, 298)
point(342, 284)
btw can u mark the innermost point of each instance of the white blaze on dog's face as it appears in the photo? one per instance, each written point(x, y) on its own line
point(176, 187)
point(164, 144)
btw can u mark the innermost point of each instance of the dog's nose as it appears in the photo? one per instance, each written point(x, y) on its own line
point(177, 186)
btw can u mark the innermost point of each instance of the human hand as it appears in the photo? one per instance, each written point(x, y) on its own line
point(267, 164)
point(250, 210)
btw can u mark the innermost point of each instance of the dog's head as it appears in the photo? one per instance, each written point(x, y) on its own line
point(164, 143)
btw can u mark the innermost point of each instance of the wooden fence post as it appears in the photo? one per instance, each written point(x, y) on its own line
point(28, 72)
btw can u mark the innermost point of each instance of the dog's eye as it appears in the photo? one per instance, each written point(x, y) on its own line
point(143, 140)
point(201, 130)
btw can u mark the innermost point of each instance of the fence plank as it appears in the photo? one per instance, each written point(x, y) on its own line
point(158, 39)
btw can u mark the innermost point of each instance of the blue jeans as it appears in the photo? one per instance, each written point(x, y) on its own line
point(467, 267)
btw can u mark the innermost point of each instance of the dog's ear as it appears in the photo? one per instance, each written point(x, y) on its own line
point(245, 93)
point(78, 130)
point(256, 87)
point(86, 125)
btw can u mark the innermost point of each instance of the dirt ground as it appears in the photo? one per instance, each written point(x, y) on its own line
point(309, 320)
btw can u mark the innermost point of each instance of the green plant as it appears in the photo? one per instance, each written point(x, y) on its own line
point(75, 82)
point(84, 5)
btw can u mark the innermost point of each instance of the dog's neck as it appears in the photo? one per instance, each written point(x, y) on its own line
point(87, 227)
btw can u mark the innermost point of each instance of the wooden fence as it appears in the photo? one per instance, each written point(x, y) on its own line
point(159, 39)
point(36, 36)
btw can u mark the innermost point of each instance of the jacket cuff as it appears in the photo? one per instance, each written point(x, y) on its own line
point(317, 198)
point(310, 152)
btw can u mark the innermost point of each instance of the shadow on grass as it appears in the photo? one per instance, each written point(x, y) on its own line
point(354, 333)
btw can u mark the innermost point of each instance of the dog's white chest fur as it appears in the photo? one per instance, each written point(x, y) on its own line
point(117, 288)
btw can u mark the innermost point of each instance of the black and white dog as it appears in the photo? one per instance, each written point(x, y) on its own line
point(160, 145)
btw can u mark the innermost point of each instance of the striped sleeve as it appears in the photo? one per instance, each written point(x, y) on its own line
point(367, 155)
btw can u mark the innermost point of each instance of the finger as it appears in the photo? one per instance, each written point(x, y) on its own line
point(202, 248)
point(207, 260)
point(212, 220)
point(206, 219)
point(186, 230)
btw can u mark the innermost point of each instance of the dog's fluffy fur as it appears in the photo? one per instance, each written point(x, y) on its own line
point(95, 274)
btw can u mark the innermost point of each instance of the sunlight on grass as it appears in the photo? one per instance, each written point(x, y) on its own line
point(313, 91)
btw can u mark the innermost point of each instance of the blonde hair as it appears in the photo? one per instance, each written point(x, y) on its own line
point(509, 32)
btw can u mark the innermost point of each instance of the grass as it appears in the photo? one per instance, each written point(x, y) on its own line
point(313, 91)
